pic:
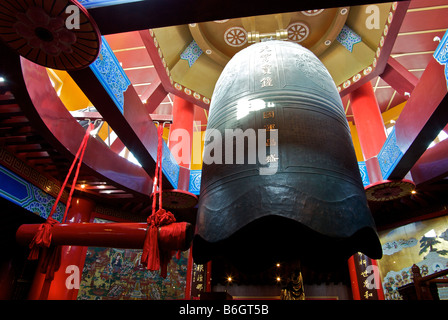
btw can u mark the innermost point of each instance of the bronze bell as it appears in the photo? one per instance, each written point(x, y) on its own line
point(303, 197)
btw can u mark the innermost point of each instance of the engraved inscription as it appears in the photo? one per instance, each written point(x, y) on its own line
point(270, 126)
point(271, 158)
point(266, 82)
point(266, 67)
point(271, 142)
point(268, 114)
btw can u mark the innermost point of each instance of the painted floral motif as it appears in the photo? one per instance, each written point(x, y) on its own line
point(43, 203)
point(43, 32)
point(363, 171)
point(108, 70)
point(441, 54)
point(389, 155)
point(348, 38)
point(311, 13)
point(195, 181)
point(27, 195)
point(169, 166)
point(235, 36)
point(191, 53)
point(297, 32)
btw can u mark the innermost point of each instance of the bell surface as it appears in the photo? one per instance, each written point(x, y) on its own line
point(303, 197)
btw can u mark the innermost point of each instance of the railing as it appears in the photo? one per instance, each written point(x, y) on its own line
point(423, 288)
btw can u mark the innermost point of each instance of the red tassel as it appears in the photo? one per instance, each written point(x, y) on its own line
point(153, 258)
point(51, 261)
point(150, 256)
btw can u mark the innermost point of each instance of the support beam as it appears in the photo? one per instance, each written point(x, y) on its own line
point(183, 117)
point(79, 115)
point(386, 50)
point(399, 78)
point(432, 166)
point(38, 100)
point(368, 121)
point(154, 97)
point(153, 52)
point(423, 117)
point(134, 126)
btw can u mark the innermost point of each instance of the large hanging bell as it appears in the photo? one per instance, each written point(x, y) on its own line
point(302, 197)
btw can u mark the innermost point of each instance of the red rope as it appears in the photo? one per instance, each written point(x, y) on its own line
point(154, 258)
point(42, 238)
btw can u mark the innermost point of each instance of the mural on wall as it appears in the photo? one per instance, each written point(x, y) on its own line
point(423, 243)
point(117, 274)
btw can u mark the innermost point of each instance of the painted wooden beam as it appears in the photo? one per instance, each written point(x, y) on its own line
point(38, 100)
point(422, 118)
point(399, 78)
point(155, 97)
point(432, 166)
point(153, 52)
point(134, 126)
point(386, 50)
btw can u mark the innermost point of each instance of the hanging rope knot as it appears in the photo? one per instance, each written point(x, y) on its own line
point(154, 258)
point(161, 218)
point(42, 238)
point(51, 255)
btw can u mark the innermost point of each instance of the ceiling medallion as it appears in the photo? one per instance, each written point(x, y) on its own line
point(389, 190)
point(311, 13)
point(297, 32)
point(61, 36)
point(235, 36)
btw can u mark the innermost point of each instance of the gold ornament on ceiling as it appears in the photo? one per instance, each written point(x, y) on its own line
point(314, 29)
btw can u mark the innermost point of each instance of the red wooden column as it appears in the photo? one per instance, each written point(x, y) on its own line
point(181, 132)
point(62, 286)
point(365, 278)
point(370, 127)
point(7, 273)
point(372, 135)
point(180, 143)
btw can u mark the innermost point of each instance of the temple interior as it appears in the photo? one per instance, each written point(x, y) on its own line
point(108, 181)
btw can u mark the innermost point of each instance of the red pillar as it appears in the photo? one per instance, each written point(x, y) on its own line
point(354, 278)
point(181, 131)
point(6, 279)
point(372, 135)
point(365, 278)
point(368, 120)
point(72, 258)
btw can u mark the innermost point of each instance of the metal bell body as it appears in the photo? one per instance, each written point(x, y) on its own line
point(304, 197)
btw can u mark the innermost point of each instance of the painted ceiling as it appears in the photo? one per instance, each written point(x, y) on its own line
point(194, 54)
